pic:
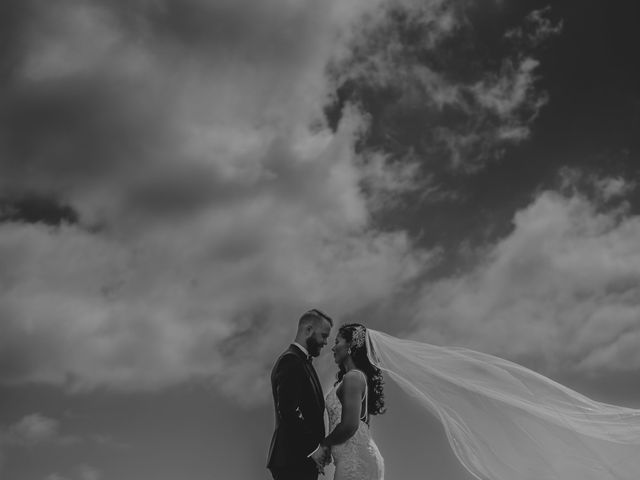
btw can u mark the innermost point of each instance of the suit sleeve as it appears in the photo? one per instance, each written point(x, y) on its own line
point(289, 376)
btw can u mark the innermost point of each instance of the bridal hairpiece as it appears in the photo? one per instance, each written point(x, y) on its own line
point(358, 337)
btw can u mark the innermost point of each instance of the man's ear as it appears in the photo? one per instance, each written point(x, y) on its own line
point(310, 329)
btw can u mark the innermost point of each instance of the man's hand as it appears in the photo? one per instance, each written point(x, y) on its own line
point(321, 457)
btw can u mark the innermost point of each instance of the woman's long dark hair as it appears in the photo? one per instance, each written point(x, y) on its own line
point(375, 382)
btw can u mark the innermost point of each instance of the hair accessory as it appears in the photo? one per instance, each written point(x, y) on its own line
point(358, 336)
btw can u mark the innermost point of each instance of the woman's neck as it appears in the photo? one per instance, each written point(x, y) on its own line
point(348, 365)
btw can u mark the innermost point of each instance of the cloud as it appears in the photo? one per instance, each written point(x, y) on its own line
point(559, 293)
point(87, 472)
point(614, 187)
point(199, 197)
point(423, 71)
point(537, 29)
point(55, 476)
point(199, 201)
point(36, 429)
point(80, 472)
point(39, 431)
point(605, 189)
point(153, 306)
point(506, 93)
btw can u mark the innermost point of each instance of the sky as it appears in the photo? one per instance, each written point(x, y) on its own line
point(180, 180)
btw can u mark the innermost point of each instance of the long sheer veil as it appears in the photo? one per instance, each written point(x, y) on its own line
point(506, 422)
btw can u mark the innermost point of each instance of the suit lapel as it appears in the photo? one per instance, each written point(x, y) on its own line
point(313, 377)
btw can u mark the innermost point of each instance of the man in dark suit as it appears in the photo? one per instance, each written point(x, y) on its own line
point(295, 452)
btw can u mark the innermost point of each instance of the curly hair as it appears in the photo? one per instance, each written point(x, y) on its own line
point(375, 382)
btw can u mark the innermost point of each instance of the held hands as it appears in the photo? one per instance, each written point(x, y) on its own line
point(321, 457)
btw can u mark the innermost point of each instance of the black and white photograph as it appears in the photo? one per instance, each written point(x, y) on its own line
point(319, 240)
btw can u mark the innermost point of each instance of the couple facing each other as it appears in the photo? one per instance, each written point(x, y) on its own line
point(503, 421)
point(299, 448)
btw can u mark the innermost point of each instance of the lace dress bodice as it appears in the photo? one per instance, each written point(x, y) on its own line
point(358, 458)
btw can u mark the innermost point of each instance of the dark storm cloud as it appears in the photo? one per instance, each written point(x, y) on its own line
point(434, 89)
point(32, 209)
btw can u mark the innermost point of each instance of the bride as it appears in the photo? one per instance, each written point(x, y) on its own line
point(503, 421)
point(353, 399)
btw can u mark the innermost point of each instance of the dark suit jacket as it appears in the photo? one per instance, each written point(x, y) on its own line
point(299, 410)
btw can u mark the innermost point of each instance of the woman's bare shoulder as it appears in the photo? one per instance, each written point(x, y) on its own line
point(355, 378)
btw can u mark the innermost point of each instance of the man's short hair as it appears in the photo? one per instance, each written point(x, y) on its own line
point(313, 315)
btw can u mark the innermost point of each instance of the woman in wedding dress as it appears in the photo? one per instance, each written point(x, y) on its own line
point(503, 421)
point(356, 396)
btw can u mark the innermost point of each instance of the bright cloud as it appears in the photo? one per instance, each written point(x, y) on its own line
point(561, 291)
point(537, 28)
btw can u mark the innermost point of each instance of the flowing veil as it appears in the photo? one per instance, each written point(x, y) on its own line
point(506, 422)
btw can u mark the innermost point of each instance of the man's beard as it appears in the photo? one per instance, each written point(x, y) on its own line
point(312, 347)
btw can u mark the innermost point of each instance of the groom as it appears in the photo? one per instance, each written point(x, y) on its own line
point(295, 453)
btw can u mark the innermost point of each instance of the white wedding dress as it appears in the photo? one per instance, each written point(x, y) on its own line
point(358, 458)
